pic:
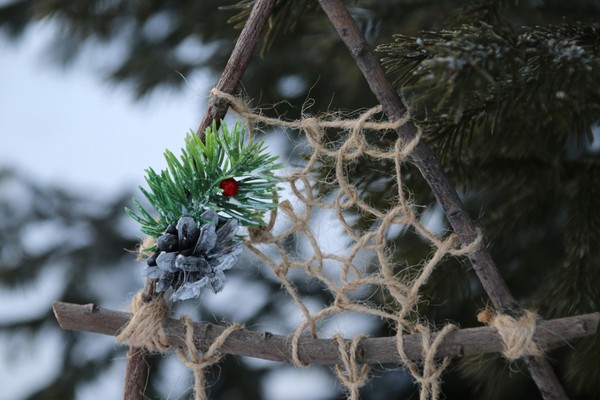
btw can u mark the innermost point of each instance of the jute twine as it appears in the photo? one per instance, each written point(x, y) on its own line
point(146, 326)
point(198, 361)
point(517, 333)
point(146, 329)
point(350, 373)
point(345, 201)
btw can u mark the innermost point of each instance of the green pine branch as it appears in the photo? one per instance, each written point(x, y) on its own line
point(191, 183)
point(486, 82)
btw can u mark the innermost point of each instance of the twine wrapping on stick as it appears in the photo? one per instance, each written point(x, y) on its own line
point(516, 333)
point(352, 375)
point(198, 361)
point(146, 327)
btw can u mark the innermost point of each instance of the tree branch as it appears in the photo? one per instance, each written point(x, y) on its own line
point(136, 370)
point(484, 266)
point(136, 373)
point(464, 342)
point(238, 61)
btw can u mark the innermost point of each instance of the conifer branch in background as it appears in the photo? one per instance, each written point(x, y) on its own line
point(480, 79)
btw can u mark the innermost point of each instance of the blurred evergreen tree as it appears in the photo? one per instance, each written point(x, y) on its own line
point(508, 94)
point(49, 234)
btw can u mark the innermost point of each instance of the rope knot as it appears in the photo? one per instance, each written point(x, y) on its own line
point(352, 375)
point(196, 360)
point(238, 105)
point(516, 333)
point(469, 248)
point(430, 377)
point(146, 326)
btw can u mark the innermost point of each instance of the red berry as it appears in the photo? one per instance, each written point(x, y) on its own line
point(230, 187)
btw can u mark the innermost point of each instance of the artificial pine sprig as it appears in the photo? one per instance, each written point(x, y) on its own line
point(224, 173)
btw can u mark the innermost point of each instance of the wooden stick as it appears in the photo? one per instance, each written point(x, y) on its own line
point(463, 226)
point(137, 359)
point(238, 61)
point(549, 335)
point(137, 368)
point(136, 373)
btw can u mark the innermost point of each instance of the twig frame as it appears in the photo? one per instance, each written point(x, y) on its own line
point(382, 350)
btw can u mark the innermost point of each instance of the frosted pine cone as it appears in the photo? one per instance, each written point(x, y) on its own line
point(189, 258)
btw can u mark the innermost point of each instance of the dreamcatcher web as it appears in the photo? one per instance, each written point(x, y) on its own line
point(343, 274)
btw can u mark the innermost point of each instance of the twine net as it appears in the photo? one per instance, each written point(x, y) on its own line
point(343, 275)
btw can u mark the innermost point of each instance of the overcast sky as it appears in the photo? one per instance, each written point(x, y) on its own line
point(70, 126)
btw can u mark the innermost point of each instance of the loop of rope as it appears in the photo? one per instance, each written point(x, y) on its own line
point(146, 326)
point(352, 375)
point(197, 361)
point(429, 378)
point(296, 347)
point(470, 248)
point(516, 333)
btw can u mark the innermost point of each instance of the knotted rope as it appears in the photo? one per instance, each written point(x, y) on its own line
point(197, 361)
point(346, 200)
point(146, 326)
point(352, 375)
point(517, 333)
